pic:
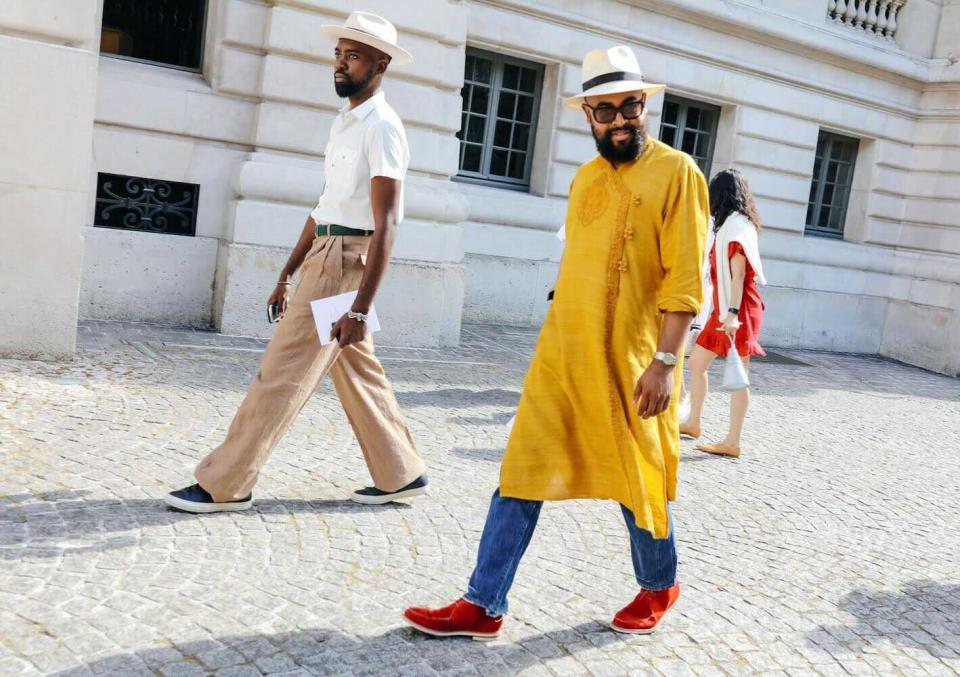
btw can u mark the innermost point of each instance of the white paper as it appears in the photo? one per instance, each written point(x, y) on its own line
point(327, 311)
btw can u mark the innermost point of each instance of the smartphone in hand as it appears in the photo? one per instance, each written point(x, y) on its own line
point(273, 312)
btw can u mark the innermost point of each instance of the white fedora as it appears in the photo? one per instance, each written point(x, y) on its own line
point(611, 71)
point(372, 30)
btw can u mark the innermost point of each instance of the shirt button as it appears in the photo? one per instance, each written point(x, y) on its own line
point(622, 266)
point(628, 235)
point(637, 200)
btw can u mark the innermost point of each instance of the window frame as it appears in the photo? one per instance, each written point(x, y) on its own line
point(818, 182)
point(681, 127)
point(201, 44)
point(483, 178)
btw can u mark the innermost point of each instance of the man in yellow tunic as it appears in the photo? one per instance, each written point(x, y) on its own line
point(598, 414)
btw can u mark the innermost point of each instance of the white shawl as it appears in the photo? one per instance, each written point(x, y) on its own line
point(737, 228)
point(700, 321)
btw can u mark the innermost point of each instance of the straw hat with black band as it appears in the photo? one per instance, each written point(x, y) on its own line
point(611, 71)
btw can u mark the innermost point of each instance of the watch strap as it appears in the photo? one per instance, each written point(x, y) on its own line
point(359, 317)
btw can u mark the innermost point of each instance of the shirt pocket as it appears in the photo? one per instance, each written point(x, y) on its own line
point(344, 171)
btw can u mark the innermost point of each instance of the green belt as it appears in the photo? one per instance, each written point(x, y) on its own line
point(333, 230)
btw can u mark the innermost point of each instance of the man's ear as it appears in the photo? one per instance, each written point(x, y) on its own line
point(382, 64)
point(586, 112)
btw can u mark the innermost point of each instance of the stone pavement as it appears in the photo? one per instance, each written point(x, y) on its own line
point(831, 547)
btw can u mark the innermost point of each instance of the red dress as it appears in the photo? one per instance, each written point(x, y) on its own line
point(751, 314)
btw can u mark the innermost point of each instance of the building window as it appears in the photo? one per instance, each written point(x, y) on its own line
point(148, 205)
point(165, 32)
point(501, 100)
point(832, 180)
point(690, 126)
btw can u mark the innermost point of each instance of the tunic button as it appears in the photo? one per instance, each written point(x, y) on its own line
point(637, 200)
point(628, 235)
point(622, 266)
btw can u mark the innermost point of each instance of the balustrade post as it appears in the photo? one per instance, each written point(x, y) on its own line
point(882, 12)
point(861, 14)
point(841, 10)
point(832, 10)
point(895, 6)
point(872, 17)
point(851, 13)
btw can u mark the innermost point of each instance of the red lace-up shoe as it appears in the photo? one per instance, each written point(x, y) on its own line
point(643, 615)
point(460, 619)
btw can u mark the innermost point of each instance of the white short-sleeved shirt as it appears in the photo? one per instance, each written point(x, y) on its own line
point(365, 142)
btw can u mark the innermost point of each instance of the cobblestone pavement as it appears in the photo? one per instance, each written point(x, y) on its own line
point(830, 547)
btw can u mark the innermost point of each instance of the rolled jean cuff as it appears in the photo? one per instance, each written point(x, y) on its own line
point(493, 612)
point(656, 587)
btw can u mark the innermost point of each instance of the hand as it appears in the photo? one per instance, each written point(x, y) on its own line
point(730, 325)
point(347, 331)
point(281, 294)
point(654, 387)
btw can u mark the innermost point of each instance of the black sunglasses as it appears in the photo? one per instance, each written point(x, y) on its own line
point(605, 113)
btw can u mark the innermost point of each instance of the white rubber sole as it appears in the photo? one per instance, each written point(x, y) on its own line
point(206, 508)
point(629, 631)
point(389, 498)
point(476, 636)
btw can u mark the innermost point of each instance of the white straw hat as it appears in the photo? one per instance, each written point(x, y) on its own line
point(611, 71)
point(372, 30)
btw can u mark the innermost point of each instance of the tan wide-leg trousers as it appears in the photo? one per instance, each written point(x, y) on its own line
point(292, 367)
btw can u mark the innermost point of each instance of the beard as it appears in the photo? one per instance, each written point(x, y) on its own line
point(349, 87)
point(629, 151)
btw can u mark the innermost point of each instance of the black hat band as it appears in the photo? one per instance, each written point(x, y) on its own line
point(616, 76)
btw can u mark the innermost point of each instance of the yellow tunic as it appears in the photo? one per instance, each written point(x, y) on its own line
point(635, 246)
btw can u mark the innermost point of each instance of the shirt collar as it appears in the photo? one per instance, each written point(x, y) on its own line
point(365, 108)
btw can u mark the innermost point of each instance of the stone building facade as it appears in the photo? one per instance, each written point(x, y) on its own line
point(844, 114)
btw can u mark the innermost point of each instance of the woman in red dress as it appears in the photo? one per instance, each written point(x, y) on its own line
point(737, 306)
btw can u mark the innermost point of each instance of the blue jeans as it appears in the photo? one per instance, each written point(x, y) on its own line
point(506, 535)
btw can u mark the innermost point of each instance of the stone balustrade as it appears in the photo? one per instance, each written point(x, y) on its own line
point(874, 17)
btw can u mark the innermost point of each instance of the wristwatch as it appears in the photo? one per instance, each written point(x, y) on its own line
point(359, 317)
point(668, 359)
point(733, 311)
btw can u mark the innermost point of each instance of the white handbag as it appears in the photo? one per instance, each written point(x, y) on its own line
point(734, 374)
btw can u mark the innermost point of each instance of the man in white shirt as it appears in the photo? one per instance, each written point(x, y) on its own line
point(345, 246)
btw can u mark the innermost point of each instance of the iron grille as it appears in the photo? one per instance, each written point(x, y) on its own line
point(149, 205)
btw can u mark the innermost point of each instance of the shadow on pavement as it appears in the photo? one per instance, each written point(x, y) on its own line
point(332, 652)
point(919, 615)
point(459, 397)
point(37, 525)
point(473, 454)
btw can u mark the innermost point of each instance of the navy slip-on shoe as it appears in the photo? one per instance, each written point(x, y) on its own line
point(374, 496)
point(195, 499)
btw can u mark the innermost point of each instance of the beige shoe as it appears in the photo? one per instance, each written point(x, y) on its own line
point(720, 449)
point(690, 432)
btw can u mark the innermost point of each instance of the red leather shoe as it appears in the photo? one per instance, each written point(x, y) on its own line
point(643, 615)
point(460, 619)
